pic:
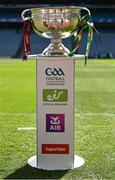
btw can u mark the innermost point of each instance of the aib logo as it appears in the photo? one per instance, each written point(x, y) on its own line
point(55, 122)
point(54, 72)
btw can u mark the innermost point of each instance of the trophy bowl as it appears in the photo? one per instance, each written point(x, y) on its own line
point(55, 23)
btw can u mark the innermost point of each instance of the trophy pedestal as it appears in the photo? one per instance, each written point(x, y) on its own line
point(55, 113)
point(78, 162)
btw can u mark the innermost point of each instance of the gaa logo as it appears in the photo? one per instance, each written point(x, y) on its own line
point(54, 72)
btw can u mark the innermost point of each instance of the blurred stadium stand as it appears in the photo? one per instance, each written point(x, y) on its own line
point(11, 26)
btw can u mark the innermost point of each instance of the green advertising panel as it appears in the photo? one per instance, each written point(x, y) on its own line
point(55, 95)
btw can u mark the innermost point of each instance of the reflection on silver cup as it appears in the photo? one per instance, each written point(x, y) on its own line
point(56, 23)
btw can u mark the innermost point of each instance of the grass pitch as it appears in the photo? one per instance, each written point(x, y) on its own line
point(94, 121)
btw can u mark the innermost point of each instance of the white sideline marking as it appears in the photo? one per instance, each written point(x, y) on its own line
point(82, 114)
point(94, 114)
point(16, 114)
point(76, 114)
point(26, 128)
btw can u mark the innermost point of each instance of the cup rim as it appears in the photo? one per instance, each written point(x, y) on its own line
point(61, 7)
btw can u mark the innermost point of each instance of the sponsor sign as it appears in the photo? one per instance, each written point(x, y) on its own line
point(55, 122)
point(55, 95)
point(55, 148)
point(54, 72)
point(55, 88)
point(54, 76)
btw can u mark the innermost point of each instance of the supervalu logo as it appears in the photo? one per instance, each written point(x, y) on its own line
point(55, 95)
point(55, 148)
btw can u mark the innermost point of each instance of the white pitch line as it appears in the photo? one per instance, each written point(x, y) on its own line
point(26, 128)
point(16, 114)
point(94, 114)
point(76, 114)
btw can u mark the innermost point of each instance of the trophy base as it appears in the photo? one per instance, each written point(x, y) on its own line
point(78, 162)
point(55, 54)
point(56, 48)
point(77, 56)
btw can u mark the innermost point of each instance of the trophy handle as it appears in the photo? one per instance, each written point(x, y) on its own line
point(86, 9)
point(26, 14)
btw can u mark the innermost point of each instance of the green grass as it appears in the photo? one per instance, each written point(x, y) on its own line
point(94, 121)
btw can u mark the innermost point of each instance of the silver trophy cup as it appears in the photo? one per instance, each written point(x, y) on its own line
point(55, 23)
